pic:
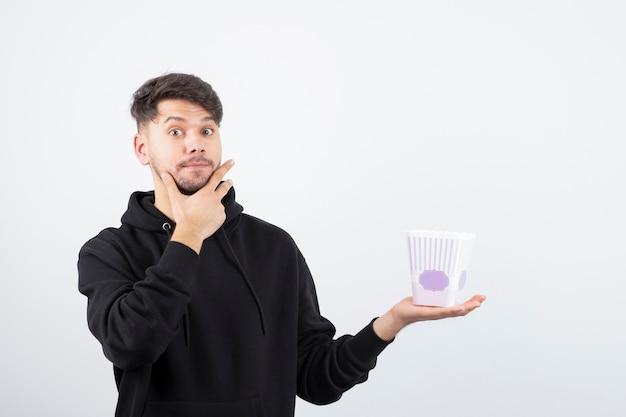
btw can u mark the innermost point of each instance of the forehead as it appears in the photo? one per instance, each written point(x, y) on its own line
point(181, 109)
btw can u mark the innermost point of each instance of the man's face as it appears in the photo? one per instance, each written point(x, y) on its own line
point(183, 140)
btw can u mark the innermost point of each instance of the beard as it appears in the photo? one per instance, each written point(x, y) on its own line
point(194, 180)
point(189, 186)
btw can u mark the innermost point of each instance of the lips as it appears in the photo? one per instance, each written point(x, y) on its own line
point(196, 163)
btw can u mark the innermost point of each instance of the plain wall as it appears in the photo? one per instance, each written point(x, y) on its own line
point(350, 122)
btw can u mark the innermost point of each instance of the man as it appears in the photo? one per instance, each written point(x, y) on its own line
point(202, 309)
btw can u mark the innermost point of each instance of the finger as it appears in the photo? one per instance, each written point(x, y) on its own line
point(458, 310)
point(219, 173)
point(478, 297)
point(471, 304)
point(475, 302)
point(170, 184)
point(224, 187)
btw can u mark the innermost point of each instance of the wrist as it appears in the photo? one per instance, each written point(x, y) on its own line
point(188, 238)
point(387, 327)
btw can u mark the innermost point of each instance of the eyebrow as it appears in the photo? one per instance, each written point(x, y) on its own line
point(183, 120)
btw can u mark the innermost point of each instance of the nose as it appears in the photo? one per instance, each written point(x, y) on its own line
point(195, 143)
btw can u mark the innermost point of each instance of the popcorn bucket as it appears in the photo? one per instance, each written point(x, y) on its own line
point(439, 262)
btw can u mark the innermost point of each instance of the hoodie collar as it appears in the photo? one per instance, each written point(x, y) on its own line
point(142, 213)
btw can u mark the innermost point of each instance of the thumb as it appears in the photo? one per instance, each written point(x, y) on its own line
point(168, 181)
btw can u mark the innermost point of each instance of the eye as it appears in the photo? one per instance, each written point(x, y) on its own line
point(207, 131)
point(175, 132)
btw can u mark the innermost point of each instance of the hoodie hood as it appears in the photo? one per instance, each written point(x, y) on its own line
point(142, 213)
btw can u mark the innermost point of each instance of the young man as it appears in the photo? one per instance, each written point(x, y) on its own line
point(202, 309)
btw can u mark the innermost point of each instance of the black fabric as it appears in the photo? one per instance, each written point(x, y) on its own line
point(235, 331)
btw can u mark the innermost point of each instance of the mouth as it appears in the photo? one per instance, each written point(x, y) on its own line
point(196, 163)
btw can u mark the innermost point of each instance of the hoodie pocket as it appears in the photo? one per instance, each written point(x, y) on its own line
point(241, 408)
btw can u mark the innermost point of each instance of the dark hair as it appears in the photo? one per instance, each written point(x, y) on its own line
point(174, 86)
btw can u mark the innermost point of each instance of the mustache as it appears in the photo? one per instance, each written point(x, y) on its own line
point(195, 160)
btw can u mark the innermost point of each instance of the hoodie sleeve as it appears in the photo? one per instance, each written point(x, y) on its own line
point(134, 317)
point(329, 367)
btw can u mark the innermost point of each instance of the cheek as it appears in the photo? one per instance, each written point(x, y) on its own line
point(218, 147)
point(156, 161)
point(162, 154)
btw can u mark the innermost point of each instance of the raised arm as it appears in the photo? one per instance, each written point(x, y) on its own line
point(405, 313)
point(134, 313)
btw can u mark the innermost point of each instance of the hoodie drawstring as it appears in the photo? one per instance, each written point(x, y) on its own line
point(186, 331)
point(247, 281)
point(186, 327)
point(187, 334)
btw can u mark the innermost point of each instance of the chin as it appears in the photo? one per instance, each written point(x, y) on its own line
point(187, 188)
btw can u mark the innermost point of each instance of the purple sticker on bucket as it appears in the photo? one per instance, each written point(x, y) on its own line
point(462, 280)
point(434, 280)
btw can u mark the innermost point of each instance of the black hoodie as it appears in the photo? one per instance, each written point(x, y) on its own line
point(234, 331)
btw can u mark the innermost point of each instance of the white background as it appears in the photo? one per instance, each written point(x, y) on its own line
point(350, 122)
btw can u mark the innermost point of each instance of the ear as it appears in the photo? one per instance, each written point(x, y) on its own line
point(141, 149)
